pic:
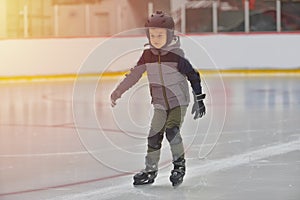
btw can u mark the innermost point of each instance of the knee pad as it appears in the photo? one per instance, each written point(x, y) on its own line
point(173, 135)
point(154, 141)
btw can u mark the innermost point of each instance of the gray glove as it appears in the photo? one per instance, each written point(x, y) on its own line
point(198, 107)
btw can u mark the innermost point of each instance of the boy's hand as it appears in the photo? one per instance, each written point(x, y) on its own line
point(198, 107)
point(113, 103)
point(115, 95)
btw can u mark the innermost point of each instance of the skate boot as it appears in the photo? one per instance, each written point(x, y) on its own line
point(144, 177)
point(178, 172)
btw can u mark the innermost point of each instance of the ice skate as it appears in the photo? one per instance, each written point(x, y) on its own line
point(177, 173)
point(144, 177)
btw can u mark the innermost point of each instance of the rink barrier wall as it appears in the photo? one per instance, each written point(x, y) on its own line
point(85, 57)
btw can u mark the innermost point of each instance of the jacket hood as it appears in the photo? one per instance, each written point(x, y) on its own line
point(173, 47)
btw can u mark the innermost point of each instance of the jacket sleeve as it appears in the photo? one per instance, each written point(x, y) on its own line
point(132, 77)
point(185, 67)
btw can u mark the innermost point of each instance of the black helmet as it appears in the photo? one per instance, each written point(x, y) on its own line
point(159, 19)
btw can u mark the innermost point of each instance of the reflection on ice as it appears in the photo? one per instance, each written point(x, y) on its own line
point(54, 145)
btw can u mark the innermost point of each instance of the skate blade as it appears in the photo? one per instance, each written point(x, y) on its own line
point(176, 185)
point(142, 183)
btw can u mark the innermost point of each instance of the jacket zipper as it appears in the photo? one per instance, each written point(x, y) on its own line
point(163, 83)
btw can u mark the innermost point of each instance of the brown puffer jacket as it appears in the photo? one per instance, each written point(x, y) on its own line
point(167, 72)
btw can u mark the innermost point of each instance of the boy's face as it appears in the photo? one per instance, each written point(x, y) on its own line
point(158, 37)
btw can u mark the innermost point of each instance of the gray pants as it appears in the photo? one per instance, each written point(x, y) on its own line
point(169, 122)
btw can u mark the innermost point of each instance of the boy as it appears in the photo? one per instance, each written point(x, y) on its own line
point(167, 72)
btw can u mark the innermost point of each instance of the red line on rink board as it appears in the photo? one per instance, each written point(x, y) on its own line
point(144, 35)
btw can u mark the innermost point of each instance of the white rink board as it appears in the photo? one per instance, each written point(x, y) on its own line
point(29, 57)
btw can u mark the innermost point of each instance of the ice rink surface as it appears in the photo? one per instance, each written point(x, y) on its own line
point(61, 140)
